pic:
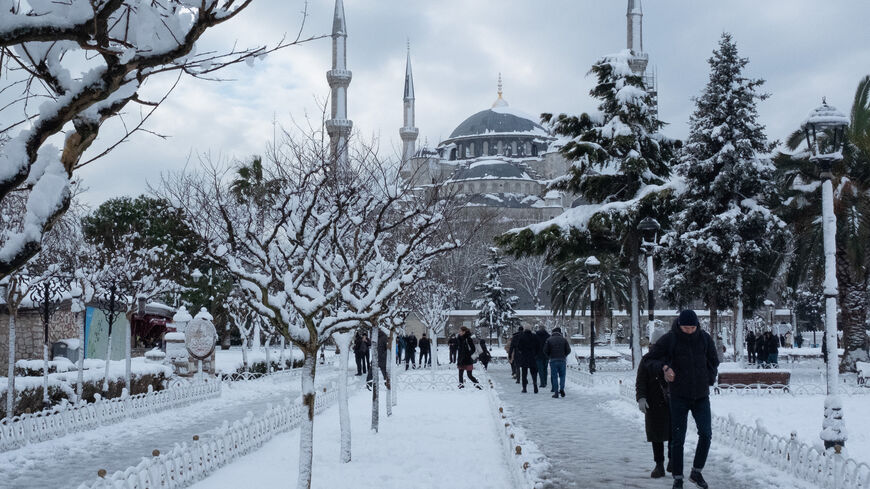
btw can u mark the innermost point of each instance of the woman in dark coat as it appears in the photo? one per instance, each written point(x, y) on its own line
point(650, 388)
point(464, 354)
point(528, 349)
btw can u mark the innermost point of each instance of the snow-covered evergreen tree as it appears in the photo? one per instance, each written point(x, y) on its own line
point(497, 302)
point(725, 242)
point(621, 165)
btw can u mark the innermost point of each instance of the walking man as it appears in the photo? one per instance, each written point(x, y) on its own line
point(541, 360)
point(400, 348)
point(557, 349)
point(452, 344)
point(359, 353)
point(687, 357)
point(410, 349)
point(750, 346)
point(513, 357)
point(527, 350)
point(425, 352)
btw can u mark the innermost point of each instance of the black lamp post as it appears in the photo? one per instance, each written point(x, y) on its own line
point(592, 265)
point(648, 228)
point(825, 130)
point(112, 304)
point(47, 294)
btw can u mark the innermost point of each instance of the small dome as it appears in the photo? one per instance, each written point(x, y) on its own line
point(493, 169)
point(498, 120)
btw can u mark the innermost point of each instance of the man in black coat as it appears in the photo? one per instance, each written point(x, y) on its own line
point(410, 349)
point(650, 387)
point(452, 345)
point(687, 357)
point(761, 350)
point(772, 349)
point(528, 349)
point(541, 360)
point(359, 353)
point(425, 351)
point(750, 346)
point(512, 354)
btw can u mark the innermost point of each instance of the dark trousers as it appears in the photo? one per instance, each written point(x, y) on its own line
point(558, 368)
point(427, 356)
point(360, 363)
point(534, 371)
point(542, 370)
point(659, 451)
point(470, 377)
point(751, 354)
point(452, 355)
point(383, 373)
point(399, 356)
point(680, 409)
point(409, 357)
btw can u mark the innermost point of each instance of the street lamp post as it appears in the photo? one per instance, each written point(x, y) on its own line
point(113, 303)
point(648, 228)
point(47, 294)
point(592, 264)
point(825, 133)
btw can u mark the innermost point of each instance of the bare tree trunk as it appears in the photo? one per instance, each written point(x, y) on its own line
point(268, 355)
point(714, 328)
point(10, 389)
point(853, 307)
point(375, 371)
point(245, 353)
point(306, 428)
point(342, 341)
point(635, 319)
point(127, 354)
point(391, 369)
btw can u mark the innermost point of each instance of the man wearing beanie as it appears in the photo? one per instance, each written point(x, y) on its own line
point(687, 358)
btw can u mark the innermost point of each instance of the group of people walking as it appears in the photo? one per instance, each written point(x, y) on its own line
point(407, 345)
point(673, 380)
point(533, 353)
point(763, 349)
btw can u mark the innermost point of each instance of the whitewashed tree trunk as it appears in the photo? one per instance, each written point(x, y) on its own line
point(80, 378)
point(127, 354)
point(342, 340)
point(10, 389)
point(281, 355)
point(375, 371)
point(391, 368)
point(268, 356)
point(245, 353)
point(390, 361)
point(738, 322)
point(108, 360)
point(258, 341)
point(635, 322)
point(292, 358)
point(306, 428)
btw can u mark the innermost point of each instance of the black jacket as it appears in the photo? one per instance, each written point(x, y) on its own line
point(383, 341)
point(557, 347)
point(693, 359)
point(425, 344)
point(452, 343)
point(542, 337)
point(528, 349)
point(410, 343)
point(465, 349)
point(772, 344)
point(513, 355)
point(650, 385)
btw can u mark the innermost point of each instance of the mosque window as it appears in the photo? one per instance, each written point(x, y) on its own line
point(507, 151)
point(534, 150)
point(453, 154)
point(485, 148)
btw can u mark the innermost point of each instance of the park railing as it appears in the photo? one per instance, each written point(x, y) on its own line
point(188, 463)
point(72, 418)
point(826, 469)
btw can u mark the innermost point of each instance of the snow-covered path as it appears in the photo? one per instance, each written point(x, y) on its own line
point(68, 461)
point(594, 439)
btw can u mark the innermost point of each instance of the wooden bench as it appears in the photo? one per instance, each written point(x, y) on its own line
point(775, 379)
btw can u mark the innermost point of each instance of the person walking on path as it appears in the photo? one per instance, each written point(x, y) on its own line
point(761, 350)
point(484, 356)
point(652, 401)
point(541, 360)
point(400, 348)
point(557, 349)
point(452, 344)
point(513, 357)
point(687, 357)
point(527, 350)
point(750, 347)
point(464, 357)
point(425, 352)
point(410, 349)
point(359, 353)
point(772, 344)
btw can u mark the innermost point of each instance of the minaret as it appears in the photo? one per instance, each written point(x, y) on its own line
point(408, 132)
point(338, 127)
point(634, 16)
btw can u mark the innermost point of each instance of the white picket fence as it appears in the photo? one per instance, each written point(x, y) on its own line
point(189, 463)
point(828, 470)
point(518, 460)
point(72, 418)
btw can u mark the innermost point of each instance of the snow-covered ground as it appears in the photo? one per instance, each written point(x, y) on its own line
point(73, 459)
point(782, 414)
point(434, 439)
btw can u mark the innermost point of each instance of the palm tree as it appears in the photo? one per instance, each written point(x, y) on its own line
point(573, 280)
point(851, 180)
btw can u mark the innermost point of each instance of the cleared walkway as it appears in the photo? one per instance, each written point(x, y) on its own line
point(595, 440)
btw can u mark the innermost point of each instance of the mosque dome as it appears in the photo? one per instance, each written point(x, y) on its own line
point(500, 119)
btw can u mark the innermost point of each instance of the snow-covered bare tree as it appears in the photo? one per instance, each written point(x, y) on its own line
point(327, 251)
point(78, 64)
point(432, 303)
point(531, 273)
point(240, 314)
point(496, 302)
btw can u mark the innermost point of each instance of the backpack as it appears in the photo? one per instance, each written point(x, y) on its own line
point(476, 352)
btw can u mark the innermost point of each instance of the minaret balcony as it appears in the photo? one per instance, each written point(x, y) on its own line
point(339, 78)
point(409, 132)
point(338, 126)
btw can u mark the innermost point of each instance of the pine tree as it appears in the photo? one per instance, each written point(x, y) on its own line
point(725, 243)
point(621, 165)
point(497, 302)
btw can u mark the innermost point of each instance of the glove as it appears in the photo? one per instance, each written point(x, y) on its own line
point(642, 405)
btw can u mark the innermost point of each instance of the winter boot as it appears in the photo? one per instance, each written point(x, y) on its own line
point(524, 390)
point(658, 472)
point(670, 468)
point(478, 387)
point(698, 479)
point(678, 484)
point(462, 386)
point(562, 392)
point(536, 388)
point(555, 395)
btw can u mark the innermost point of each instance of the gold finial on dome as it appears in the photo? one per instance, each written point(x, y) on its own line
point(500, 101)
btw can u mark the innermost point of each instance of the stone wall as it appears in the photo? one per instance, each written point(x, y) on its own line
point(29, 333)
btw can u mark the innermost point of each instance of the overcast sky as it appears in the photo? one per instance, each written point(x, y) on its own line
point(805, 49)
